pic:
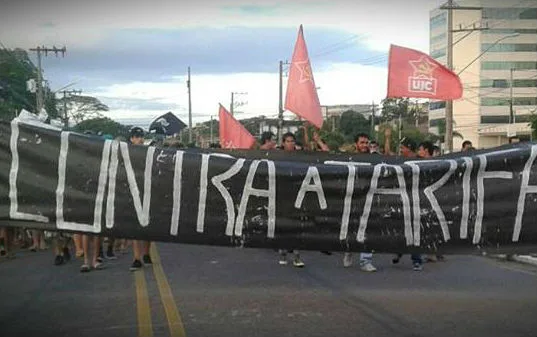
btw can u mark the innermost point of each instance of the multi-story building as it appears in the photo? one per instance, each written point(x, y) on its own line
point(499, 70)
point(337, 110)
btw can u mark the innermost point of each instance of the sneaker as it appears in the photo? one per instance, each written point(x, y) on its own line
point(85, 268)
point(147, 259)
point(417, 267)
point(396, 259)
point(58, 261)
point(110, 255)
point(347, 260)
point(297, 262)
point(368, 267)
point(100, 259)
point(66, 254)
point(136, 265)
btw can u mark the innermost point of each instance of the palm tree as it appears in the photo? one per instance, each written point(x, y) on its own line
point(442, 131)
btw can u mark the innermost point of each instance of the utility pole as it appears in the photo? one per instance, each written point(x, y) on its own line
point(400, 129)
point(449, 103)
point(189, 86)
point(212, 129)
point(232, 103)
point(65, 114)
point(511, 111)
point(372, 132)
point(39, 51)
point(280, 105)
point(334, 123)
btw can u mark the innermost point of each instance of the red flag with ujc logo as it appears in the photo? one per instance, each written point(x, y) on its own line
point(233, 135)
point(414, 74)
point(301, 97)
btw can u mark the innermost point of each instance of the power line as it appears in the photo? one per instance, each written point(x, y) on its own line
point(40, 51)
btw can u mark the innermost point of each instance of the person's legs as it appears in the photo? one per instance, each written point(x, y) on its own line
point(396, 258)
point(77, 239)
point(42, 243)
point(36, 240)
point(3, 241)
point(417, 262)
point(347, 259)
point(146, 247)
point(283, 257)
point(96, 243)
point(85, 249)
point(58, 245)
point(137, 250)
point(366, 262)
point(110, 250)
point(297, 262)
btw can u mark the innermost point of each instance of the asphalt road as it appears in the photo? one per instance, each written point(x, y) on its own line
point(214, 291)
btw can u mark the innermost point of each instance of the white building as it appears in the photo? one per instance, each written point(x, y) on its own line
point(508, 46)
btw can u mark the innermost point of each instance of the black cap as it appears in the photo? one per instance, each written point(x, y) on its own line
point(409, 143)
point(136, 132)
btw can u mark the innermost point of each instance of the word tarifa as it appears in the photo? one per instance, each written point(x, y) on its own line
point(311, 183)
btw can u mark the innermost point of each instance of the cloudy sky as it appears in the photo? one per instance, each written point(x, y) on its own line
point(133, 55)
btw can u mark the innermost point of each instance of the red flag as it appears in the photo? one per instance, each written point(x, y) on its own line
point(412, 73)
point(301, 97)
point(233, 135)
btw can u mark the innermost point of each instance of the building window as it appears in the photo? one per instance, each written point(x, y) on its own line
point(491, 101)
point(494, 84)
point(504, 119)
point(439, 20)
point(524, 83)
point(500, 83)
point(494, 119)
point(438, 38)
point(498, 65)
point(437, 105)
point(438, 53)
point(508, 47)
point(435, 122)
point(509, 13)
point(525, 101)
point(509, 31)
point(504, 101)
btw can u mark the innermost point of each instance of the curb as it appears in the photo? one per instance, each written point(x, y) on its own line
point(527, 259)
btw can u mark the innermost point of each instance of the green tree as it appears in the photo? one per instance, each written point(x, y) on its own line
point(16, 69)
point(104, 125)
point(334, 139)
point(80, 108)
point(393, 107)
point(533, 125)
point(442, 131)
point(351, 123)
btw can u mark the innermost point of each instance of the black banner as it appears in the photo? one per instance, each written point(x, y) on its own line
point(56, 180)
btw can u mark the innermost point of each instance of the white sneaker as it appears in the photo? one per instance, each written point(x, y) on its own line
point(282, 262)
point(298, 263)
point(368, 267)
point(347, 260)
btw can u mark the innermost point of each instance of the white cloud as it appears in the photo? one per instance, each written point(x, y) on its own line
point(84, 23)
point(341, 84)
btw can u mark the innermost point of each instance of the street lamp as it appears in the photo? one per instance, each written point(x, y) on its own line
point(486, 50)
